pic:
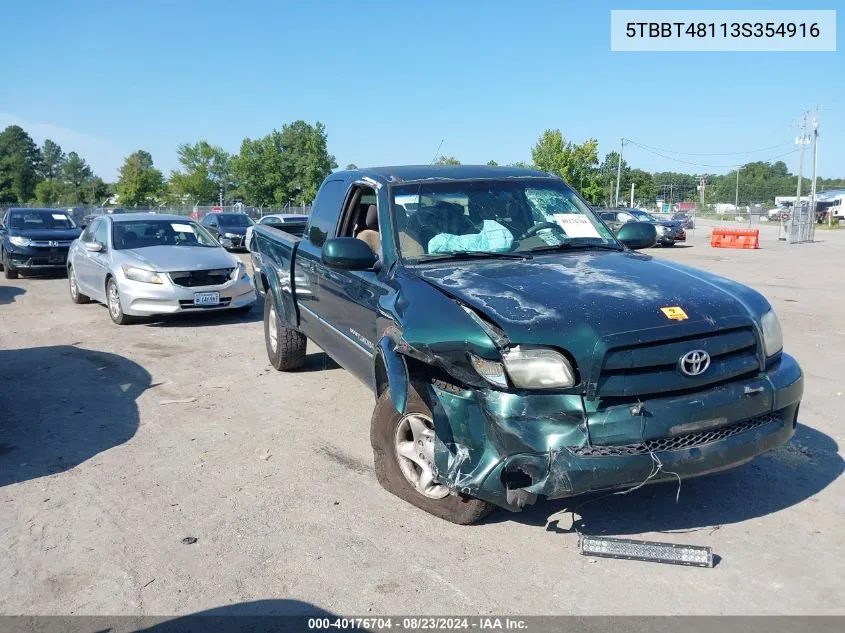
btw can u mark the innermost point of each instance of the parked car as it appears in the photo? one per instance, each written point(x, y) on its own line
point(144, 264)
point(33, 240)
point(228, 228)
point(686, 219)
point(515, 346)
point(668, 231)
point(292, 223)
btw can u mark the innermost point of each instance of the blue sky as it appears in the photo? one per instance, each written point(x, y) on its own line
point(391, 79)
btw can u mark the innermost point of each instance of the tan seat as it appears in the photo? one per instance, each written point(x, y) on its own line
point(370, 233)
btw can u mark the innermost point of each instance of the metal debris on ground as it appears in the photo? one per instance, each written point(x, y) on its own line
point(182, 401)
point(651, 551)
point(189, 540)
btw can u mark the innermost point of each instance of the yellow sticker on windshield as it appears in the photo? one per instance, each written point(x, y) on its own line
point(675, 313)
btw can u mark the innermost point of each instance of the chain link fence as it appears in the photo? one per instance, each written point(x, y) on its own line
point(194, 211)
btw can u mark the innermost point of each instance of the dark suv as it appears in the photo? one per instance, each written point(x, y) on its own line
point(35, 239)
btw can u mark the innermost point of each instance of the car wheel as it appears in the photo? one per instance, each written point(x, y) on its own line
point(669, 243)
point(113, 304)
point(403, 456)
point(285, 346)
point(75, 295)
point(8, 271)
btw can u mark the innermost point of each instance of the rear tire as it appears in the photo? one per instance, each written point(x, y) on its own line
point(285, 346)
point(75, 295)
point(385, 427)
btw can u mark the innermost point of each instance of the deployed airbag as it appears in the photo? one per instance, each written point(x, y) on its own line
point(493, 238)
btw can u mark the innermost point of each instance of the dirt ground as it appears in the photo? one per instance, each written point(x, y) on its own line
point(116, 443)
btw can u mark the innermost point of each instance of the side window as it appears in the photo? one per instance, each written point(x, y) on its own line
point(625, 217)
point(324, 215)
point(101, 233)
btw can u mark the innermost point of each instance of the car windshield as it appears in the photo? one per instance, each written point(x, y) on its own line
point(146, 233)
point(234, 219)
point(642, 216)
point(435, 220)
point(40, 220)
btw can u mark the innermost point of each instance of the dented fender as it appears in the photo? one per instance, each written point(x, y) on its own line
point(397, 373)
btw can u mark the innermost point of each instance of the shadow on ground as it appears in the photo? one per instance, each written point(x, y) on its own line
point(782, 478)
point(8, 294)
point(318, 361)
point(261, 615)
point(60, 406)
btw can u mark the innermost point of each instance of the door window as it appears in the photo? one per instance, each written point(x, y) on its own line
point(101, 233)
point(323, 221)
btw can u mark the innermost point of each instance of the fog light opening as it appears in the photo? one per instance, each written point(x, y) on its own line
point(515, 481)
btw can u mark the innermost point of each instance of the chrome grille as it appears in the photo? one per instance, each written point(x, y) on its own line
point(678, 442)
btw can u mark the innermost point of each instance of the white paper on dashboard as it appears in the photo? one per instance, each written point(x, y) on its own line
point(576, 225)
point(182, 228)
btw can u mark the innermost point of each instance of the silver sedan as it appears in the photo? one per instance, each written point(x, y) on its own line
point(143, 264)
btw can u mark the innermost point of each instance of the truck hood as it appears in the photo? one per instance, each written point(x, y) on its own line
point(178, 258)
point(574, 299)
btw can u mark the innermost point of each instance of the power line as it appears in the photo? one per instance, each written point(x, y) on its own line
point(687, 162)
point(670, 151)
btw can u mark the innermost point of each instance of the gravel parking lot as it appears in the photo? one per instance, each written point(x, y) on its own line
point(116, 443)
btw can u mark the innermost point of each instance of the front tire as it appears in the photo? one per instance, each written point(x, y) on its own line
point(73, 286)
point(8, 271)
point(113, 304)
point(403, 455)
point(285, 346)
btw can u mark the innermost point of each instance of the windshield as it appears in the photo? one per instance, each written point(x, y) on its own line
point(643, 216)
point(234, 219)
point(40, 220)
point(438, 219)
point(145, 233)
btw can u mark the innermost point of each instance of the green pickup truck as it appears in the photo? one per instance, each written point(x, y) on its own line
point(516, 347)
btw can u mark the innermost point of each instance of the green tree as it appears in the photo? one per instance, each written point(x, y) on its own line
point(447, 160)
point(492, 163)
point(351, 166)
point(206, 171)
point(139, 182)
point(259, 169)
point(76, 174)
point(305, 160)
point(574, 163)
point(49, 192)
point(52, 158)
point(20, 162)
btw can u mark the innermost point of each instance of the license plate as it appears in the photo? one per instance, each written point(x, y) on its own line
point(206, 298)
point(56, 259)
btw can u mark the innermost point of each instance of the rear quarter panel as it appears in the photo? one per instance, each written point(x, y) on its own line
point(273, 255)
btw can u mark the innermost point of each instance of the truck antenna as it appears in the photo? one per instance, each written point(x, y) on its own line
point(437, 153)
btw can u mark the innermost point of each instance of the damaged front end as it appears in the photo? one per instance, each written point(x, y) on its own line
point(627, 421)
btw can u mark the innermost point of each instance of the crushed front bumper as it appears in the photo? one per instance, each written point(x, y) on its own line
point(36, 258)
point(509, 449)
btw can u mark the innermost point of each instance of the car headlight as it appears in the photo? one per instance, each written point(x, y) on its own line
point(772, 334)
point(527, 369)
point(239, 271)
point(141, 274)
point(230, 235)
point(20, 241)
point(538, 368)
point(661, 229)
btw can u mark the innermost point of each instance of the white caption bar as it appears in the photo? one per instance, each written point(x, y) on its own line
point(724, 30)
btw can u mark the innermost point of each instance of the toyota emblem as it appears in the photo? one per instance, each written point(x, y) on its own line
point(694, 363)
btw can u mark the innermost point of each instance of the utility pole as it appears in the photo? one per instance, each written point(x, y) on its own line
point(632, 195)
point(801, 141)
point(619, 169)
point(815, 167)
point(736, 200)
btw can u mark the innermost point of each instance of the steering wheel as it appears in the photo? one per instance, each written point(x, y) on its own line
point(539, 227)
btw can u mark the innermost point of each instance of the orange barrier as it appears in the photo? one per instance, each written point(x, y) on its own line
point(735, 238)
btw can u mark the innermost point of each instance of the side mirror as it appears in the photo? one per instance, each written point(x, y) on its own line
point(94, 247)
point(348, 253)
point(637, 235)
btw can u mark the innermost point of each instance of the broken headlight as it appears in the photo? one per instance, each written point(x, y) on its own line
point(490, 370)
point(527, 369)
point(772, 334)
point(538, 368)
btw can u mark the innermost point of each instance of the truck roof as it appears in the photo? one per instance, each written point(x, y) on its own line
point(416, 173)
